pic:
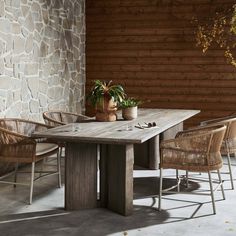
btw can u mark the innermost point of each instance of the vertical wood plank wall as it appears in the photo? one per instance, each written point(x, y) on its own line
point(148, 46)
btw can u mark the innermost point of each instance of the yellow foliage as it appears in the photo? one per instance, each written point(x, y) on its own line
point(221, 30)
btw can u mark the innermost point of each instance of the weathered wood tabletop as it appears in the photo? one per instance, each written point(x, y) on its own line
point(120, 131)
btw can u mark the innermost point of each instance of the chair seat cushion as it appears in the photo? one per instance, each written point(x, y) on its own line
point(44, 148)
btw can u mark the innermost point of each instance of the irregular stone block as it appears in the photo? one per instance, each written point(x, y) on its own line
point(25, 106)
point(6, 82)
point(2, 105)
point(68, 37)
point(36, 52)
point(9, 100)
point(5, 26)
point(43, 86)
point(15, 3)
point(25, 10)
point(51, 93)
point(39, 26)
point(34, 106)
point(14, 110)
point(45, 16)
point(29, 23)
point(43, 100)
point(31, 69)
point(29, 44)
point(16, 29)
point(2, 6)
point(37, 36)
point(17, 95)
point(18, 44)
point(36, 16)
point(58, 93)
point(35, 7)
point(33, 85)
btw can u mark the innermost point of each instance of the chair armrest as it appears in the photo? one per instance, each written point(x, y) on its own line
point(190, 131)
point(216, 120)
point(48, 120)
point(198, 130)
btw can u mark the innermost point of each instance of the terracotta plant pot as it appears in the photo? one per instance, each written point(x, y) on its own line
point(130, 113)
point(105, 116)
point(107, 110)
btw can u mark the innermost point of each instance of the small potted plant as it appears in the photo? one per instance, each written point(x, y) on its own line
point(130, 108)
point(104, 97)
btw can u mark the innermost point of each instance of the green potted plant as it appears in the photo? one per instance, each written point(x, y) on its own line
point(104, 97)
point(129, 108)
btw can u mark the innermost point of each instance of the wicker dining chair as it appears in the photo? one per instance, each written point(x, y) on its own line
point(57, 118)
point(196, 150)
point(229, 143)
point(18, 147)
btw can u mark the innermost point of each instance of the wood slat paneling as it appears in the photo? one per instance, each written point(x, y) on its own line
point(149, 47)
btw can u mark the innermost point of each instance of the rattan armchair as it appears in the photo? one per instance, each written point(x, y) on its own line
point(229, 143)
point(57, 118)
point(17, 147)
point(196, 150)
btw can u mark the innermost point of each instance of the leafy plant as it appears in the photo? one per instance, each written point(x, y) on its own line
point(102, 90)
point(221, 31)
point(129, 102)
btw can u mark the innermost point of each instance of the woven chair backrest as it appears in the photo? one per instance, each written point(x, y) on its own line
point(229, 142)
point(69, 118)
point(14, 130)
point(204, 135)
point(55, 118)
point(217, 139)
point(20, 126)
point(231, 129)
point(230, 123)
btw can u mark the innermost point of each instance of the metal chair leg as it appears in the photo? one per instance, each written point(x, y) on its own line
point(221, 184)
point(230, 171)
point(42, 166)
point(59, 168)
point(160, 190)
point(60, 151)
point(186, 184)
point(15, 174)
point(212, 193)
point(177, 179)
point(32, 182)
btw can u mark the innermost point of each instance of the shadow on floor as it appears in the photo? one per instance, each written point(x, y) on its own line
point(57, 222)
point(149, 186)
point(87, 222)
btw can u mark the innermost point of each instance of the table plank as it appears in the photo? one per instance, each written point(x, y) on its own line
point(80, 184)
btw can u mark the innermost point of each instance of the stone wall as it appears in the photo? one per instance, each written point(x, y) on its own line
point(42, 57)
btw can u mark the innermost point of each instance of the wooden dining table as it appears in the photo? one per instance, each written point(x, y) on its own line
point(117, 145)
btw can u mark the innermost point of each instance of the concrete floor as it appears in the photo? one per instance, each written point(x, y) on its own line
point(182, 214)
